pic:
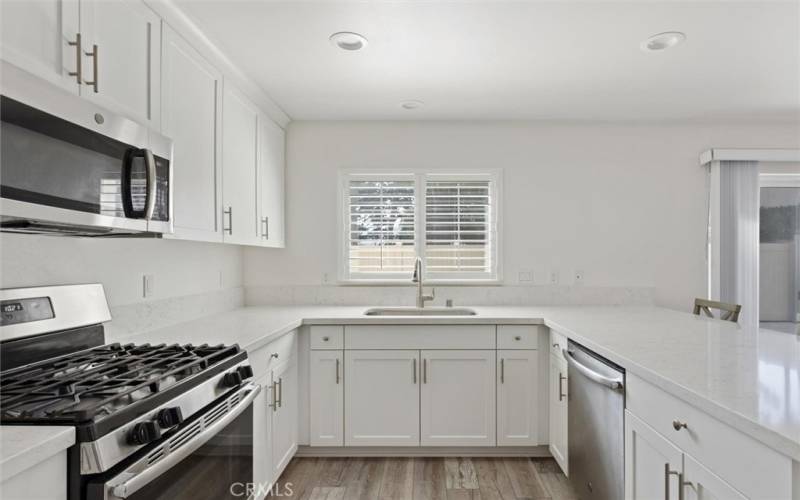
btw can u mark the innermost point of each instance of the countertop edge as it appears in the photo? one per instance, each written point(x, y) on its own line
point(44, 443)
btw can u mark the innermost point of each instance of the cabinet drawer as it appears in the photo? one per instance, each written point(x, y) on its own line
point(749, 466)
point(518, 336)
point(272, 354)
point(327, 337)
point(557, 342)
point(419, 337)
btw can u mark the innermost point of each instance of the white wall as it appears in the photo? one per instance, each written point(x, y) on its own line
point(624, 204)
point(180, 268)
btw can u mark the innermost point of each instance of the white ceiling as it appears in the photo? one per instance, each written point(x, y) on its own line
point(497, 60)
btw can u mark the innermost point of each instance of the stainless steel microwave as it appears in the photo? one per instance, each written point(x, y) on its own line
point(70, 167)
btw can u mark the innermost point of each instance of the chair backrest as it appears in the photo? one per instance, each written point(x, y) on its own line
point(728, 312)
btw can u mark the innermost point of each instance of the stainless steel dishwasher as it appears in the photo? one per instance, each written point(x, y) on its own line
point(596, 415)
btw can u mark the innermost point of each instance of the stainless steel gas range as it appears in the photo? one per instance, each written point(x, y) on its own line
point(152, 421)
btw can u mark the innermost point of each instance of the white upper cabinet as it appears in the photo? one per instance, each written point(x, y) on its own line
point(271, 161)
point(192, 90)
point(36, 36)
point(381, 398)
point(122, 57)
point(458, 398)
point(239, 168)
point(518, 398)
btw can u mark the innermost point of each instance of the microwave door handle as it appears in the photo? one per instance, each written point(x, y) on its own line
point(133, 483)
point(150, 203)
point(126, 185)
point(589, 373)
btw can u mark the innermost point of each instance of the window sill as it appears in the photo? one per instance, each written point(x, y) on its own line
point(427, 283)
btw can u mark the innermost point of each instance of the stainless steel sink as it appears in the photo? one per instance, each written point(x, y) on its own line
point(415, 311)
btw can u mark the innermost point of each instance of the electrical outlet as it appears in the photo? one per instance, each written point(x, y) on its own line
point(578, 277)
point(148, 285)
point(554, 277)
point(525, 276)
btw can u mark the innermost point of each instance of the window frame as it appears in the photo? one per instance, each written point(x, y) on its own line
point(420, 176)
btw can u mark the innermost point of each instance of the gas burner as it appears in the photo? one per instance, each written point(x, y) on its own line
point(90, 385)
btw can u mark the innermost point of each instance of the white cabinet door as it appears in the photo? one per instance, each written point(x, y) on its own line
point(458, 398)
point(239, 168)
point(35, 36)
point(558, 412)
point(326, 398)
point(127, 63)
point(272, 140)
point(192, 90)
point(381, 398)
point(262, 433)
point(518, 398)
point(284, 414)
point(652, 463)
point(702, 484)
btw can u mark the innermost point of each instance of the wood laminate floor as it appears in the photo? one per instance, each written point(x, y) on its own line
point(424, 479)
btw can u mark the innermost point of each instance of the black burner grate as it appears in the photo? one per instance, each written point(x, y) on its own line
point(91, 385)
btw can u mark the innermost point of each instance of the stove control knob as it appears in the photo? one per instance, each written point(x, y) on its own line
point(231, 379)
point(169, 417)
point(143, 433)
point(246, 371)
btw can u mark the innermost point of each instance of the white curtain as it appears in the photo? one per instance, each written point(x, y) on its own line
point(739, 238)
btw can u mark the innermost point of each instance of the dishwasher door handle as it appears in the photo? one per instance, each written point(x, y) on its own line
point(592, 375)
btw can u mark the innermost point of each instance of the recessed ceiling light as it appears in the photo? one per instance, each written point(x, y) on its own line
point(663, 41)
point(347, 40)
point(411, 104)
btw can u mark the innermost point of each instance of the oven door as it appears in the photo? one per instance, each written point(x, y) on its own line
point(70, 167)
point(209, 457)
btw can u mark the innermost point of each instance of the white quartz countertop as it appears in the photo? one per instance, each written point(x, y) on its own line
point(747, 378)
point(23, 446)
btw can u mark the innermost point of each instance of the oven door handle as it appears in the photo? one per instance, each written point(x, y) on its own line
point(133, 481)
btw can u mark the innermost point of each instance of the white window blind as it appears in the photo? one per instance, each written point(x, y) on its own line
point(458, 227)
point(381, 235)
point(450, 221)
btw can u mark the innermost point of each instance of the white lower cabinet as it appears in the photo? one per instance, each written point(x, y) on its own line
point(381, 397)
point(326, 398)
point(284, 406)
point(558, 409)
point(518, 398)
point(701, 484)
point(262, 442)
point(458, 398)
point(656, 469)
point(652, 463)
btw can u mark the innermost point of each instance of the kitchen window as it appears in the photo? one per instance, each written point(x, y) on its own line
point(450, 220)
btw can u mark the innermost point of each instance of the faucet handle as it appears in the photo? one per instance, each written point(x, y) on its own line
point(433, 293)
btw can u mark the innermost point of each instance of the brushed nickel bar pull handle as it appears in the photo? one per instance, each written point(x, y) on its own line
point(274, 404)
point(93, 55)
point(561, 379)
point(266, 228)
point(682, 484)
point(337, 371)
point(280, 392)
point(667, 474)
point(78, 73)
point(229, 212)
point(415, 371)
point(424, 371)
point(502, 371)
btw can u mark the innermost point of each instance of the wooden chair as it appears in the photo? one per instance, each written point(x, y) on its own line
point(728, 312)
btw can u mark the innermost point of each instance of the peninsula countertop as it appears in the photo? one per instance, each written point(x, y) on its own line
point(745, 377)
